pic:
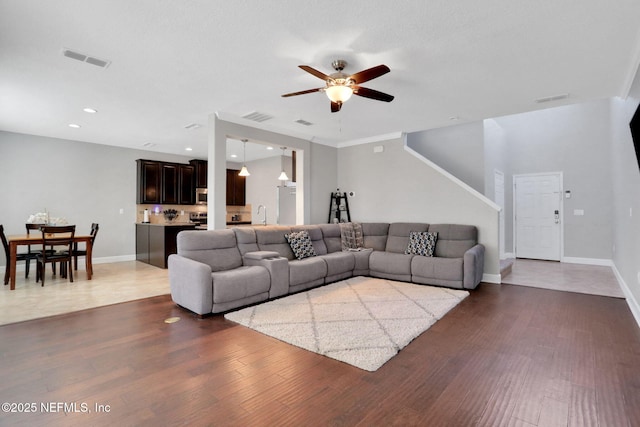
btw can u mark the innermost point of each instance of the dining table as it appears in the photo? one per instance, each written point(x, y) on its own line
point(37, 239)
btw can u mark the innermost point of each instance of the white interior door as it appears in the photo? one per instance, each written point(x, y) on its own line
point(538, 216)
point(498, 197)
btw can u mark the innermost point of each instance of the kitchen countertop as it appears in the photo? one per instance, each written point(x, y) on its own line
point(168, 224)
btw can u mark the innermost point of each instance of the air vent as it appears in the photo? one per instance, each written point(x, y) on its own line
point(257, 117)
point(148, 144)
point(304, 122)
point(193, 126)
point(85, 58)
point(553, 98)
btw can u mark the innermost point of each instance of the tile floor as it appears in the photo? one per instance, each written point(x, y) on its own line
point(111, 284)
point(585, 279)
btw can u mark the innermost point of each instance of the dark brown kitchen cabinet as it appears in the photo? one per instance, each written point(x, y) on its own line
point(149, 182)
point(236, 188)
point(186, 181)
point(166, 183)
point(201, 170)
point(154, 243)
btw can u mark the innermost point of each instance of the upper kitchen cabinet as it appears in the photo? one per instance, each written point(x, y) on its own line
point(201, 167)
point(236, 188)
point(168, 183)
point(149, 180)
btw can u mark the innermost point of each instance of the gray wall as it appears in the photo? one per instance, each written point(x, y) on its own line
point(575, 140)
point(457, 149)
point(626, 197)
point(81, 182)
point(395, 185)
point(261, 186)
point(313, 175)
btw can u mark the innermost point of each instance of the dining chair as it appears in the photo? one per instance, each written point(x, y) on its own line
point(27, 257)
point(60, 237)
point(83, 252)
point(36, 227)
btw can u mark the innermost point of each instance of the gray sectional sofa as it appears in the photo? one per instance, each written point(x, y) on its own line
point(219, 270)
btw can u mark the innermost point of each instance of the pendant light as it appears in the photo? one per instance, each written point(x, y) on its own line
point(244, 171)
point(283, 175)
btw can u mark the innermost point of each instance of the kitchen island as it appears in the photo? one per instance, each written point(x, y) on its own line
point(155, 242)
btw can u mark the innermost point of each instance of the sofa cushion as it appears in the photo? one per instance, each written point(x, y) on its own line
point(246, 237)
point(306, 270)
point(454, 239)
point(271, 238)
point(390, 263)
point(331, 237)
point(242, 282)
point(398, 239)
point(339, 262)
point(449, 269)
point(422, 243)
point(374, 235)
point(216, 248)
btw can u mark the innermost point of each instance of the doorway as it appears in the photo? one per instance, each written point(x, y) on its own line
point(538, 225)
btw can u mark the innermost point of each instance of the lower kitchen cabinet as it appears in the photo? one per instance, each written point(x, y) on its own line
point(155, 242)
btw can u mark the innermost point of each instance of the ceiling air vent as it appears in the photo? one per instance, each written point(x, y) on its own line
point(85, 58)
point(304, 122)
point(552, 98)
point(257, 117)
point(193, 126)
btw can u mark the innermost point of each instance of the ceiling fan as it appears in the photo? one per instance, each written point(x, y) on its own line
point(340, 86)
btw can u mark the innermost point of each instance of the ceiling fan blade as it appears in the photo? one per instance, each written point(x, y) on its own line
point(302, 92)
point(372, 94)
point(318, 74)
point(370, 74)
point(335, 106)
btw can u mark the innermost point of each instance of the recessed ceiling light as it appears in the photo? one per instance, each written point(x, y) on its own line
point(189, 149)
point(90, 110)
point(233, 156)
point(269, 147)
point(75, 126)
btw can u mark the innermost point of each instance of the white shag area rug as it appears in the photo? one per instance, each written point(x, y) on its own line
point(361, 321)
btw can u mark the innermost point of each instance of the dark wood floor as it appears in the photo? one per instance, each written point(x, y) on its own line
point(507, 355)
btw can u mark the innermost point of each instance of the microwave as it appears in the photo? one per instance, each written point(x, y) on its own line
point(201, 196)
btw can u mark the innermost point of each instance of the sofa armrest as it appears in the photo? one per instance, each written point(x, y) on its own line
point(260, 255)
point(277, 266)
point(191, 284)
point(473, 266)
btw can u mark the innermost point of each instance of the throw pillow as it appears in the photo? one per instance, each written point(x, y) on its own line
point(300, 243)
point(422, 243)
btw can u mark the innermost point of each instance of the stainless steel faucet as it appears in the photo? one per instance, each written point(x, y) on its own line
point(264, 208)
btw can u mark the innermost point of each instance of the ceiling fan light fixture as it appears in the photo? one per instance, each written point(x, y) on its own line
point(339, 93)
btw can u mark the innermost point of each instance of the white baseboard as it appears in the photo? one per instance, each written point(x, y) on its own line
point(631, 301)
point(589, 261)
point(110, 259)
point(492, 278)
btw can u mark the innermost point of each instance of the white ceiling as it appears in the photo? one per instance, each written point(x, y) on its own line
point(173, 63)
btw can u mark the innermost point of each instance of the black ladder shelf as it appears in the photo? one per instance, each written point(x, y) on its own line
point(339, 207)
